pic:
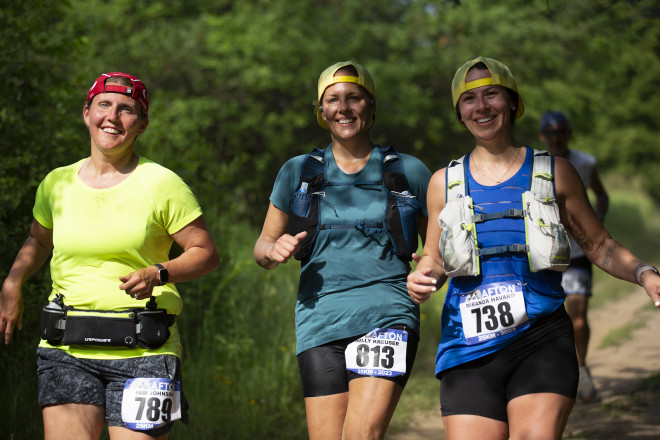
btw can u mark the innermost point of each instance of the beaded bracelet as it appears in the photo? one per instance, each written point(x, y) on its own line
point(640, 269)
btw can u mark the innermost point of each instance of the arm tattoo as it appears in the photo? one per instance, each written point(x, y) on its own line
point(608, 255)
point(580, 235)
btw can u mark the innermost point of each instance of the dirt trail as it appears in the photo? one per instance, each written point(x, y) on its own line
point(627, 410)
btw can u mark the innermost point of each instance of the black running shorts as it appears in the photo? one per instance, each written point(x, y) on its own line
point(323, 368)
point(576, 279)
point(542, 360)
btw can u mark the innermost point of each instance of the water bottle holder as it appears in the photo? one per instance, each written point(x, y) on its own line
point(143, 327)
point(401, 218)
point(50, 320)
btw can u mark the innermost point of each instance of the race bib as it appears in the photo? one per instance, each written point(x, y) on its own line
point(493, 310)
point(150, 402)
point(381, 352)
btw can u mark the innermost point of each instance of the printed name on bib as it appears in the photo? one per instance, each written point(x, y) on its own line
point(381, 352)
point(493, 310)
point(150, 402)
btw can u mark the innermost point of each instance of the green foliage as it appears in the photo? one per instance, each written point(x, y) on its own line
point(240, 368)
point(633, 220)
point(40, 129)
point(39, 121)
point(232, 85)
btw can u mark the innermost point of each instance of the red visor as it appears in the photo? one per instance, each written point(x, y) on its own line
point(137, 92)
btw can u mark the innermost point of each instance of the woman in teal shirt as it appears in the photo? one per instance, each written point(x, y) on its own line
point(354, 319)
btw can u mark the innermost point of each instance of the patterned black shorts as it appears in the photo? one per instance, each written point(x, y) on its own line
point(66, 379)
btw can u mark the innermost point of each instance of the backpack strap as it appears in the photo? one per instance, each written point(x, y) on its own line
point(456, 179)
point(541, 179)
point(392, 173)
point(312, 176)
point(403, 209)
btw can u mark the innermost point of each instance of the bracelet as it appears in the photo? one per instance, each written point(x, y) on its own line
point(640, 269)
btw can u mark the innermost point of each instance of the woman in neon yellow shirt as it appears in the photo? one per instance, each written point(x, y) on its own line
point(110, 220)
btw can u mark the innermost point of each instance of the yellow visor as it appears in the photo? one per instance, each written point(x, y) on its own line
point(479, 83)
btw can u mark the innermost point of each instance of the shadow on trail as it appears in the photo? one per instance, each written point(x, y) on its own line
point(628, 410)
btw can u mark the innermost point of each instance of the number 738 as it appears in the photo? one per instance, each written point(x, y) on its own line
point(492, 318)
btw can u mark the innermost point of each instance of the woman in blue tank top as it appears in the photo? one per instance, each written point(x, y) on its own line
point(506, 357)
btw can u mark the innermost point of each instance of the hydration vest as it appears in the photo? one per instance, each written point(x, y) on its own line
point(546, 241)
point(399, 219)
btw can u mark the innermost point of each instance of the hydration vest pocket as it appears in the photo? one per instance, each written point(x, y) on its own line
point(303, 216)
point(301, 204)
point(403, 211)
point(548, 241)
point(457, 240)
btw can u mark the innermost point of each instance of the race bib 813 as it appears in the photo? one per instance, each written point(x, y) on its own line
point(381, 352)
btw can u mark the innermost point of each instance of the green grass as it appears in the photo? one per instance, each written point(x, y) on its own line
point(634, 221)
point(423, 389)
point(620, 335)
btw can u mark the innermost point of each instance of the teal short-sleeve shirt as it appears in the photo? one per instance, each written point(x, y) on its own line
point(353, 281)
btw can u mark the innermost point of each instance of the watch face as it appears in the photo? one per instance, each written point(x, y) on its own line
point(163, 275)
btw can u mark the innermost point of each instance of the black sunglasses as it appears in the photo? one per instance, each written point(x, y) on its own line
point(553, 133)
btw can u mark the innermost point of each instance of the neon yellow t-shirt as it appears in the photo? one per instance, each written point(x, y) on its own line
point(102, 234)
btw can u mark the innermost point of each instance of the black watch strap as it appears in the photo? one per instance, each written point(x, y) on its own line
point(163, 275)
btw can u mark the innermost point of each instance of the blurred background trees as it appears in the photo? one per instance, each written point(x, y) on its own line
point(232, 86)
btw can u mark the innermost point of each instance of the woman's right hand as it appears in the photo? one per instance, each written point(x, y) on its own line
point(285, 247)
point(11, 310)
point(421, 285)
point(275, 245)
point(30, 258)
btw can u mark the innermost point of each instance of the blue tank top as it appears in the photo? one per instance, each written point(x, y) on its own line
point(542, 291)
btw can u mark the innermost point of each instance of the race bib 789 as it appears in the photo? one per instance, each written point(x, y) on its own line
point(150, 402)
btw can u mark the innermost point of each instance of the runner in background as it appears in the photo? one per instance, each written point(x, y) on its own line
point(555, 133)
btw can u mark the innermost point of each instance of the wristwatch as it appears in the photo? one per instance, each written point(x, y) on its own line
point(163, 276)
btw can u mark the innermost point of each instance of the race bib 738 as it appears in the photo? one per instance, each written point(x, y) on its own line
point(493, 310)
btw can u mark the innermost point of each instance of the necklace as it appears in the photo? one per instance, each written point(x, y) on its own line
point(501, 179)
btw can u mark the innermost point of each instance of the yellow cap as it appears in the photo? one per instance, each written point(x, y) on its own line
point(500, 76)
point(328, 78)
